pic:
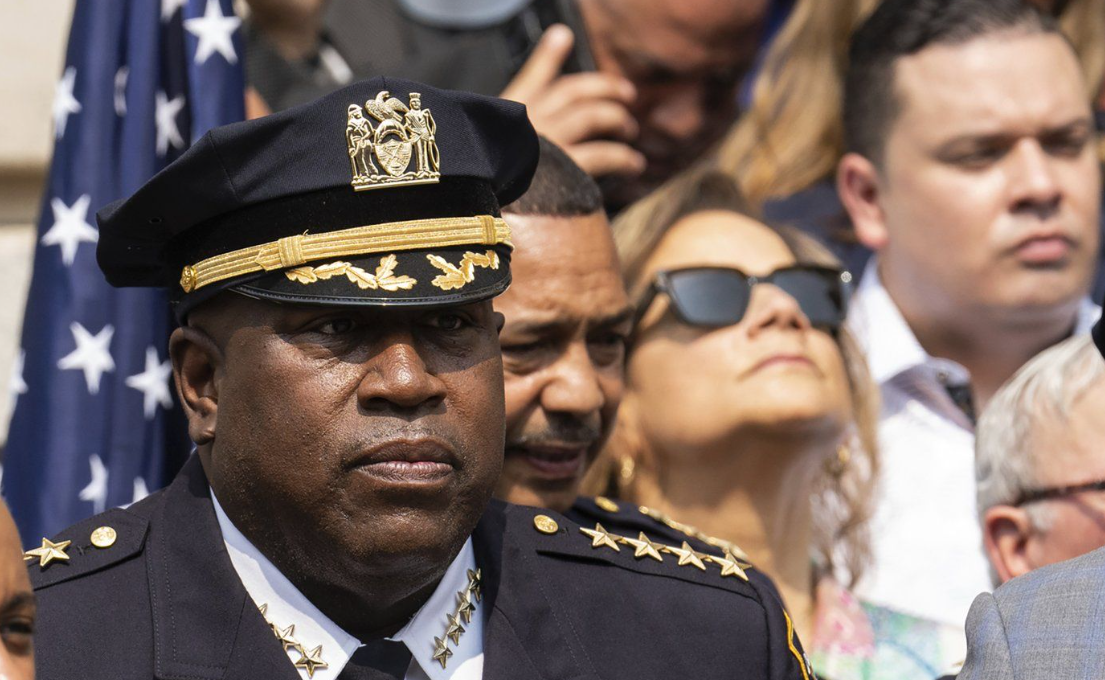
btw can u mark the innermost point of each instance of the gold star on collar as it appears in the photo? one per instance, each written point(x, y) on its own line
point(601, 537)
point(310, 660)
point(687, 555)
point(730, 566)
point(441, 651)
point(286, 637)
point(465, 608)
point(454, 630)
point(642, 547)
point(48, 553)
point(474, 582)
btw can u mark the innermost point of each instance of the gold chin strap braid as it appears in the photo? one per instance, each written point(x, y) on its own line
point(293, 251)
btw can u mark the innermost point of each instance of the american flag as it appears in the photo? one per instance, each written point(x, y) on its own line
point(95, 422)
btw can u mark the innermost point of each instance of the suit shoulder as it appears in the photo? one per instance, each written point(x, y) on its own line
point(90, 546)
point(553, 535)
point(1065, 581)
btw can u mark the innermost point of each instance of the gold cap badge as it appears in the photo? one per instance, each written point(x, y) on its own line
point(402, 132)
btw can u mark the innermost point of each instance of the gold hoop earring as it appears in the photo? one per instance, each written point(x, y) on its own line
point(627, 471)
point(836, 465)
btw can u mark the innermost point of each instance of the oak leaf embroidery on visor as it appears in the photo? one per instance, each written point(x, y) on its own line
point(458, 276)
point(383, 278)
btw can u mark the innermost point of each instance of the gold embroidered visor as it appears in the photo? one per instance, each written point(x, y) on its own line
point(295, 251)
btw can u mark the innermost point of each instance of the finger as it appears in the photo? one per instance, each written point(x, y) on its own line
point(586, 122)
point(567, 90)
point(607, 158)
point(543, 65)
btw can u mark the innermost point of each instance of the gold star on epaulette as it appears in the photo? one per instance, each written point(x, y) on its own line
point(687, 555)
point(601, 537)
point(729, 565)
point(310, 660)
point(642, 547)
point(441, 651)
point(49, 552)
point(454, 629)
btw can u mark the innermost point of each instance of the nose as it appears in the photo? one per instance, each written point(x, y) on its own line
point(398, 378)
point(679, 114)
point(1036, 188)
point(771, 307)
point(573, 383)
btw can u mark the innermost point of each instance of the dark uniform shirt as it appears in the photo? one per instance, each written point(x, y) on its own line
point(163, 601)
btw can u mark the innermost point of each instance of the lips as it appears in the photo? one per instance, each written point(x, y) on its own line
point(407, 461)
point(553, 462)
point(1044, 249)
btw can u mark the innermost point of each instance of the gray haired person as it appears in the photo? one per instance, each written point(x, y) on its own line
point(1042, 499)
point(1039, 463)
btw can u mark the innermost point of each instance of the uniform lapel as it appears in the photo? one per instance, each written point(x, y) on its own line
point(526, 637)
point(205, 624)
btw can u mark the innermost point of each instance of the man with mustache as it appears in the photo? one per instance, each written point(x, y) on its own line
point(339, 366)
point(563, 340)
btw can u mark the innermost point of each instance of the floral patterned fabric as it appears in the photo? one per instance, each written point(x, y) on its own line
point(854, 640)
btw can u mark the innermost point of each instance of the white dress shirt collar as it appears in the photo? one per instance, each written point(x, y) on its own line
point(286, 606)
point(889, 344)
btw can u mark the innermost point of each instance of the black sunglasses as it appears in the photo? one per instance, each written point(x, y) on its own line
point(1034, 495)
point(718, 296)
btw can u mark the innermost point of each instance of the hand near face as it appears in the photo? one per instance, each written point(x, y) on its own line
point(586, 114)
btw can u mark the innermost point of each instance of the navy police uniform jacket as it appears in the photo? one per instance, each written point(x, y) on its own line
point(163, 601)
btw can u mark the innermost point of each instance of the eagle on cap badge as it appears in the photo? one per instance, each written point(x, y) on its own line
point(403, 133)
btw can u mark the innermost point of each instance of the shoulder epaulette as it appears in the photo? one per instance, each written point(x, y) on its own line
point(624, 513)
point(641, 553)
point(88, 546)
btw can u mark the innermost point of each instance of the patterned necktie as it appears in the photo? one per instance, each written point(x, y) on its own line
point(378, 660)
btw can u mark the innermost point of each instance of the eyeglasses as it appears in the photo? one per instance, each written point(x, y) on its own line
point(713, 297)
point(1033, 495)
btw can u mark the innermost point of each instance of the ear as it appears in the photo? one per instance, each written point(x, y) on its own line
point(859, 185)
point(1006, 531)
point(196, 360)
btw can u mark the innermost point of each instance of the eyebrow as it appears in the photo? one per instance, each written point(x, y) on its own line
point(554, 325)
point(1082, 124)
point(21, 599)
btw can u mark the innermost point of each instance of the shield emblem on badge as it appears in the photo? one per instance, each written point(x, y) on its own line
point(394, 153)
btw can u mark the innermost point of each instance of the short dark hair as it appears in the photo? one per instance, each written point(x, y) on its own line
point(560, 188)
point(899, 28)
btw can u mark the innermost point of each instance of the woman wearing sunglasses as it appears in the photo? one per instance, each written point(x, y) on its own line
point(749, 414)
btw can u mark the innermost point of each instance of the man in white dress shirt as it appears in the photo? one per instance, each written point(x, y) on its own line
point(971, 172)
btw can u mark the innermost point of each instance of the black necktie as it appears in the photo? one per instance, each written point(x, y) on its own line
point(378, 660)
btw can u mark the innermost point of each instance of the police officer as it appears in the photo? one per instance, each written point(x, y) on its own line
point(339, 367)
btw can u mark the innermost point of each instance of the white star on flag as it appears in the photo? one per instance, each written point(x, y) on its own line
point(64, 101)
point(170, 7)
point(165, 118)
point(140, 490)
point(70, 227)
point(153, 383)
point(214, 30)
point(91, 356)
point(121, 90)
point(16, 384)
point(96, 491)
